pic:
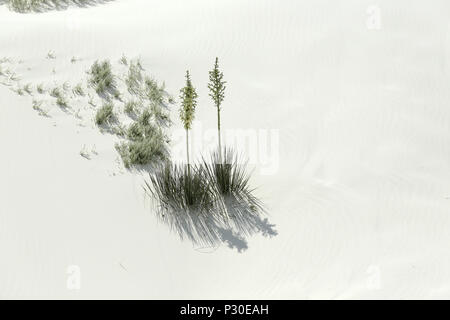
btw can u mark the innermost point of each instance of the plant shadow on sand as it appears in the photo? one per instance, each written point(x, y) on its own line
point(207, 231)
point(25, 6)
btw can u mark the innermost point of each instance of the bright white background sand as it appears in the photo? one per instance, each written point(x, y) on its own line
point(360, 200)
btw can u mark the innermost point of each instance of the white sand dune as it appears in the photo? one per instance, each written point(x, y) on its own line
point(361, 197)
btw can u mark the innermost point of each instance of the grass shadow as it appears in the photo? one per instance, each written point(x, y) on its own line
point(205, 230)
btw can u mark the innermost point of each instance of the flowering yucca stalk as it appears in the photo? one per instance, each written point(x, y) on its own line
point(187, 111)
point(217, 93)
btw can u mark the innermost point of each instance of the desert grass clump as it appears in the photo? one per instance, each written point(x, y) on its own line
point(119, 130)
point(55, 92)
point(27, 88)
point(61, 102)
point(78, 90)
point(20, 91)
point(147, 143)
point(150, 150)
point(131, 107)
point(144, 128)
point(160, 114)
point(105, 114)
point(102, 78)
point(51, 55)
point(37, 105)
point(12, 76)
point(153, 91)
point(134, 78)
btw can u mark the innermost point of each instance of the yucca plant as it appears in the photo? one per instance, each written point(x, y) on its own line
point(230, 179)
